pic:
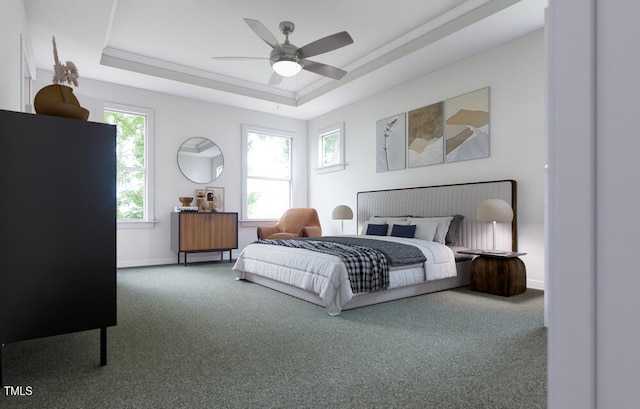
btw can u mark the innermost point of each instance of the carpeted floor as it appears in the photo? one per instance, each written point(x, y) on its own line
point(193, 337)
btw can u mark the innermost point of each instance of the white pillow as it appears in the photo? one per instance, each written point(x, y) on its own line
point(443, 225)
point(426, 230)
point(390, 221)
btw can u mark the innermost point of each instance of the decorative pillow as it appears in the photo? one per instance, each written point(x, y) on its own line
point(376, 229)
point(385, 220)
point(454, 230)
point(443, 226)
point(408, 231)
point(426, 230)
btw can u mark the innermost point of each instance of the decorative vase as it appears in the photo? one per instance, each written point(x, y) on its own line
point(59, 100)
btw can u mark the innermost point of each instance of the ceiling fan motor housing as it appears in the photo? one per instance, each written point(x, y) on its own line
point(288, 55)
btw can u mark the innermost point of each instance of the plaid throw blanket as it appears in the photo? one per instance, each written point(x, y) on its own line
point(368, 269)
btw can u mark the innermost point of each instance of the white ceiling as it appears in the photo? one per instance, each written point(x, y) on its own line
point(167, 45)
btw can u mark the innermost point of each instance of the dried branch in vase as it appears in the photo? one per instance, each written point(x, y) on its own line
point(63, 73)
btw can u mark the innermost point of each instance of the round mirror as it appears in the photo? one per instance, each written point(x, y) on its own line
point(200, 160)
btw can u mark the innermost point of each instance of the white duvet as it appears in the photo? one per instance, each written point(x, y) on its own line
point(326, 275)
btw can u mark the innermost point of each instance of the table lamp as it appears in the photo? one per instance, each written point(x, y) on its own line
point(342, 213)
point(494, 210)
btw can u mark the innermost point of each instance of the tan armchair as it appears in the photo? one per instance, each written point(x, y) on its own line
point(296, 222)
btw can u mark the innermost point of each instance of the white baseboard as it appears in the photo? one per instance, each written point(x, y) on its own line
point(192, 257)
point(146, 262)
point(535, 284)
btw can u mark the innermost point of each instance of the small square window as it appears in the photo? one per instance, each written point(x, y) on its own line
point(331, 149)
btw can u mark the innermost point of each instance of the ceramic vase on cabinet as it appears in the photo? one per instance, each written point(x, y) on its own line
point(59, 100)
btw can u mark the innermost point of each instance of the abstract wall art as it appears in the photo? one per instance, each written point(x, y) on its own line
point(390, 143)
point(425, 138)
point(467, 126)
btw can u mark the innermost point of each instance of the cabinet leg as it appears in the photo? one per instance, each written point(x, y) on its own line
point(103, 346)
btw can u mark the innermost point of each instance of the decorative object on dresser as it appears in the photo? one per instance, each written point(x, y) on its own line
point(193, 232)
point(494, 211)
point(497, 273)
point(215, 198)
point(185, 200)
point(70, 283)
point(342, 213)
point(58, 99)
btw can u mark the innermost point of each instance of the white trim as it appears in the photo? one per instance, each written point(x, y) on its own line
point(246, 128)
point(340, 164)
point(571, 194)
point(149, 211)
point(333, 168)
point(535, 284)
point(27, 74)
point(135, 224)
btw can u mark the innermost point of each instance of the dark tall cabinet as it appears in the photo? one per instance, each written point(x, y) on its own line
point(58, 227)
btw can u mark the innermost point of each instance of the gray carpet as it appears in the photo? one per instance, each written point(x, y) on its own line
point(193, 337)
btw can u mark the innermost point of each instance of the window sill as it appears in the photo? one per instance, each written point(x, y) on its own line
point(136, 224)
point(257, 223)
point(332, 168)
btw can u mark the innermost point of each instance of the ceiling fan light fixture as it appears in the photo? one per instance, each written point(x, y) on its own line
point(286, 68)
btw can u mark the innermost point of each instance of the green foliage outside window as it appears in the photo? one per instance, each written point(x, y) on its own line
point(268, 183)
point(130, 159)
point(329, 149)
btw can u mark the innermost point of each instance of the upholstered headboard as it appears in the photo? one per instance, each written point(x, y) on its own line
point(448, 200)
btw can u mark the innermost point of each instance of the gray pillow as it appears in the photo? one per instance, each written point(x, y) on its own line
point(454, 229)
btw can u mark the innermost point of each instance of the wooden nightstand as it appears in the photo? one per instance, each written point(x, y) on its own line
point(497, 273)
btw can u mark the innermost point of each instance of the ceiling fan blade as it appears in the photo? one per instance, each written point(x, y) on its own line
point(264, 33)
point(275, 79)
point(324, 45)
point(323, 69)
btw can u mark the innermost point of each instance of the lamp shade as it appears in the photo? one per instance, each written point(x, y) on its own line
point(342, 212)
point(494, 210)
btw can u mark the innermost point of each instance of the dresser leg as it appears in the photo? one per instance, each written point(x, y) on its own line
point(1, 352)
point(103, 346)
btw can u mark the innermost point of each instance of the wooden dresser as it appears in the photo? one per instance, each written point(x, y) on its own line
point(193, 232)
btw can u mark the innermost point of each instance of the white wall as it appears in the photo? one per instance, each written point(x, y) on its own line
point(176, 120)
point(516, 74)
point(12, 24)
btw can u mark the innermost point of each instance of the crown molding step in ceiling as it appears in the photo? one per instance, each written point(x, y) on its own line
point(199, 50)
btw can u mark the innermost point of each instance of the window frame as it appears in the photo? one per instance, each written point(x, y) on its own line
point(246, 129)
point(339, 164)
point(149, 210)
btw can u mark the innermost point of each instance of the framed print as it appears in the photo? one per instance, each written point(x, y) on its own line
point(215, 198)
point(390, 143)
point(467, 126)
point(425, 137)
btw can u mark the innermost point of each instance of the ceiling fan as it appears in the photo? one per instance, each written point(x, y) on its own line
point(287, 59)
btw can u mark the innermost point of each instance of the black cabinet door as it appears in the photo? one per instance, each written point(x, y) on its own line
point(58, 224)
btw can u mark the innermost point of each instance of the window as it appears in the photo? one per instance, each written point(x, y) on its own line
point(266, 190)
point(134, 183)
point(331, 149)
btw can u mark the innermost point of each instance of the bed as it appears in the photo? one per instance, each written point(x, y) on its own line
point(322, 276)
